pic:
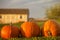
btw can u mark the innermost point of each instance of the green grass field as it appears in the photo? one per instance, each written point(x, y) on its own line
point(37, 38)
point(33, 38)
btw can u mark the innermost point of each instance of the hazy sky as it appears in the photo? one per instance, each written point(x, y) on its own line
point(36, 7)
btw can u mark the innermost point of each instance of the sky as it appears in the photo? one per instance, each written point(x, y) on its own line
point(36, 8)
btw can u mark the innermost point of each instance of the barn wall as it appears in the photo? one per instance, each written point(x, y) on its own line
point(8, 18)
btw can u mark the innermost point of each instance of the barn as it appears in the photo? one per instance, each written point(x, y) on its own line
point(14, 15)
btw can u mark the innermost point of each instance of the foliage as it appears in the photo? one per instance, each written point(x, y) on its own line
point(53, 12)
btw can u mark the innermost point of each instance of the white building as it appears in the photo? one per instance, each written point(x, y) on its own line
point(13, 15)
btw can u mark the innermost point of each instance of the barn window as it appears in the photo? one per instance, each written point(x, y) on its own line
point(20, 17)
point(0, 16)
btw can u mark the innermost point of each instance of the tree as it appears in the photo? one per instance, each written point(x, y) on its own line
point(53, 12)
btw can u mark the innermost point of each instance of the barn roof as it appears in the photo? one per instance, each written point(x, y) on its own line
point(14, 11)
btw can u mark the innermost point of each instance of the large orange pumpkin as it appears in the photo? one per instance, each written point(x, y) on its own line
point(30, 29)
point(9, 32)
point(51, 28)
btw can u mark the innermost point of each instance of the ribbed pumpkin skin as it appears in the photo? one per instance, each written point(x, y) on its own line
point(52, 27)
point(30, 29)
point(9, 32)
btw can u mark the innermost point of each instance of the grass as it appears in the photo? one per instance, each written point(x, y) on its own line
point(15, 24)
point(40, 24)
point(37, 38)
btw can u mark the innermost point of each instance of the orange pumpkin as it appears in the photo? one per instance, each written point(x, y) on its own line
point(30, 29)
point(51, 28)
point(9, 32)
